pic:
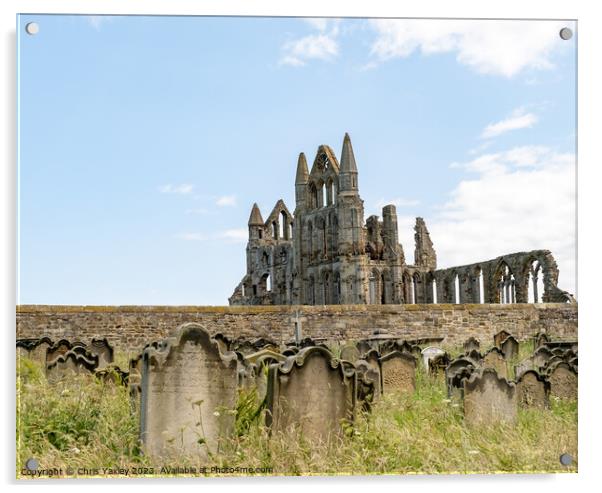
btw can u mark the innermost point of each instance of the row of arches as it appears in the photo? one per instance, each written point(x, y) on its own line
point(321, 237)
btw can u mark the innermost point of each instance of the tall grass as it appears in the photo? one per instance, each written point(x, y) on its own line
point(87, 423)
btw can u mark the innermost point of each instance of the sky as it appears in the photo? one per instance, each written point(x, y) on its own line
point(144, 142)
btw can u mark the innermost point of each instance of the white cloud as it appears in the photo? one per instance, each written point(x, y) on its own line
point(226, 201)
point(183, 189)
point(490, 47)
point(521, 199)
point(229, 236)
point(322, 45)
point(517, 120)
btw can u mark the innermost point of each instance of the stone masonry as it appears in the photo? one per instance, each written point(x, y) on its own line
point(130, 328)
point(326, 254)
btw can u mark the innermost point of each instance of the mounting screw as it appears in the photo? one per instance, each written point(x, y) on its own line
point(566, 33)
point(566, 459)
point(32, 28)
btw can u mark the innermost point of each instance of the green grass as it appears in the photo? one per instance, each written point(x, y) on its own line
point(87, 423)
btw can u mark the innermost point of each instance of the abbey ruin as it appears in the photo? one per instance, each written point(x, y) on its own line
point(326, 254)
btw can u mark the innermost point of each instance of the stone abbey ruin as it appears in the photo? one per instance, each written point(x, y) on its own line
point(325, 254)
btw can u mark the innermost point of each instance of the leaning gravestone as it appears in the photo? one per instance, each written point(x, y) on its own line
point(563, 381)
point(35, 349)
point(489, 398)
point(189, 393)
point(500, 337)
point(510, 348)
point(533, 390)
point(523, 366)
point(368, 384)
point(494, 358)
point(310, 393)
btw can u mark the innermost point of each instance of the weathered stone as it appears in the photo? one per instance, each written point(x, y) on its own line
point(334, 255)
point(189, 392)
point(368, 384)
point(103, 350)
point(70, 363)
point(510, 348)
point(310, 393)
point(500, 337)
point(533, 390)
point(350, 352)
point(523, 366)
point(471, 344)
point(455, 373)
point(428, 353)
point(35, 349)
point(398, 372)
point(563, 381)
point(494, 358)
point(489, 399)
point(541, 356)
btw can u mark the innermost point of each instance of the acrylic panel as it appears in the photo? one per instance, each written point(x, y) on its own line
point(283, 246)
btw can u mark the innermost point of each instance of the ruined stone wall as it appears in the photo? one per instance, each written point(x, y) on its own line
point(129, 328)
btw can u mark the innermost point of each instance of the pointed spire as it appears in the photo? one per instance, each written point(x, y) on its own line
point(255, 218)
point(302, 171)
point(347, 157)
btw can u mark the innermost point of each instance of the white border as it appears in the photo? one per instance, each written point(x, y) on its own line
point(589, 183)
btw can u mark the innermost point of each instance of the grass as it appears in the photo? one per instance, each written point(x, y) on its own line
point(83, 422)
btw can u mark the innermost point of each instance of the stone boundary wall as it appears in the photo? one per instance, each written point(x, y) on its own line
point(129, 328)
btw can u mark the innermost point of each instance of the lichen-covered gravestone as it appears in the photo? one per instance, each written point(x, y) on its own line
point(494, 358)
point(489, 399)
point(189, 393)
point(563, 381)
point(398, 372)
point(510, 348)
point(455, 373)
point(500, 337)
point(310, 393)
point(533, 390)
point(541, 356)
point(350, 352)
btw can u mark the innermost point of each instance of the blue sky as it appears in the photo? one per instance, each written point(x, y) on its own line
point(144, 141)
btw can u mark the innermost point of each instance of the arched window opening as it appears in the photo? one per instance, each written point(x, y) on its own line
point(313, 194)
point(536, 284)
point(242, 290)
point(254, 289)
point(260, 234)
point(434, 290)
point(311, 298)
point(481, 285)
point(506, 285)
point(310, 240)
point(323, 195)
point(415, 285)
point(274, 230)
point(268, 283)
point(333, 192)
point(456, 289)
point(283, 226)
point(372, 289)
point(383, 290)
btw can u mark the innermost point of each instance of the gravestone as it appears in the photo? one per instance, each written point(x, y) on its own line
point(541, 356)
point(69, 364)
point(489, 398)
point(398, 372)
point(368, 384)
point(35, 349)
point(474, 355)
point(350, 352)
point(494, 358)
point(310, 393)
point(428, 353)
point(510, 348)
point(533, 390)
point(540, 339)
point(471, 344)
point(189, 392)
point(135, 382)
point(59, 348)
point(438, 364)
point(455, 373)
point(500, 337)
point(103, 350)
point(563, 381)
point(523, 366)
point(363, 347)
